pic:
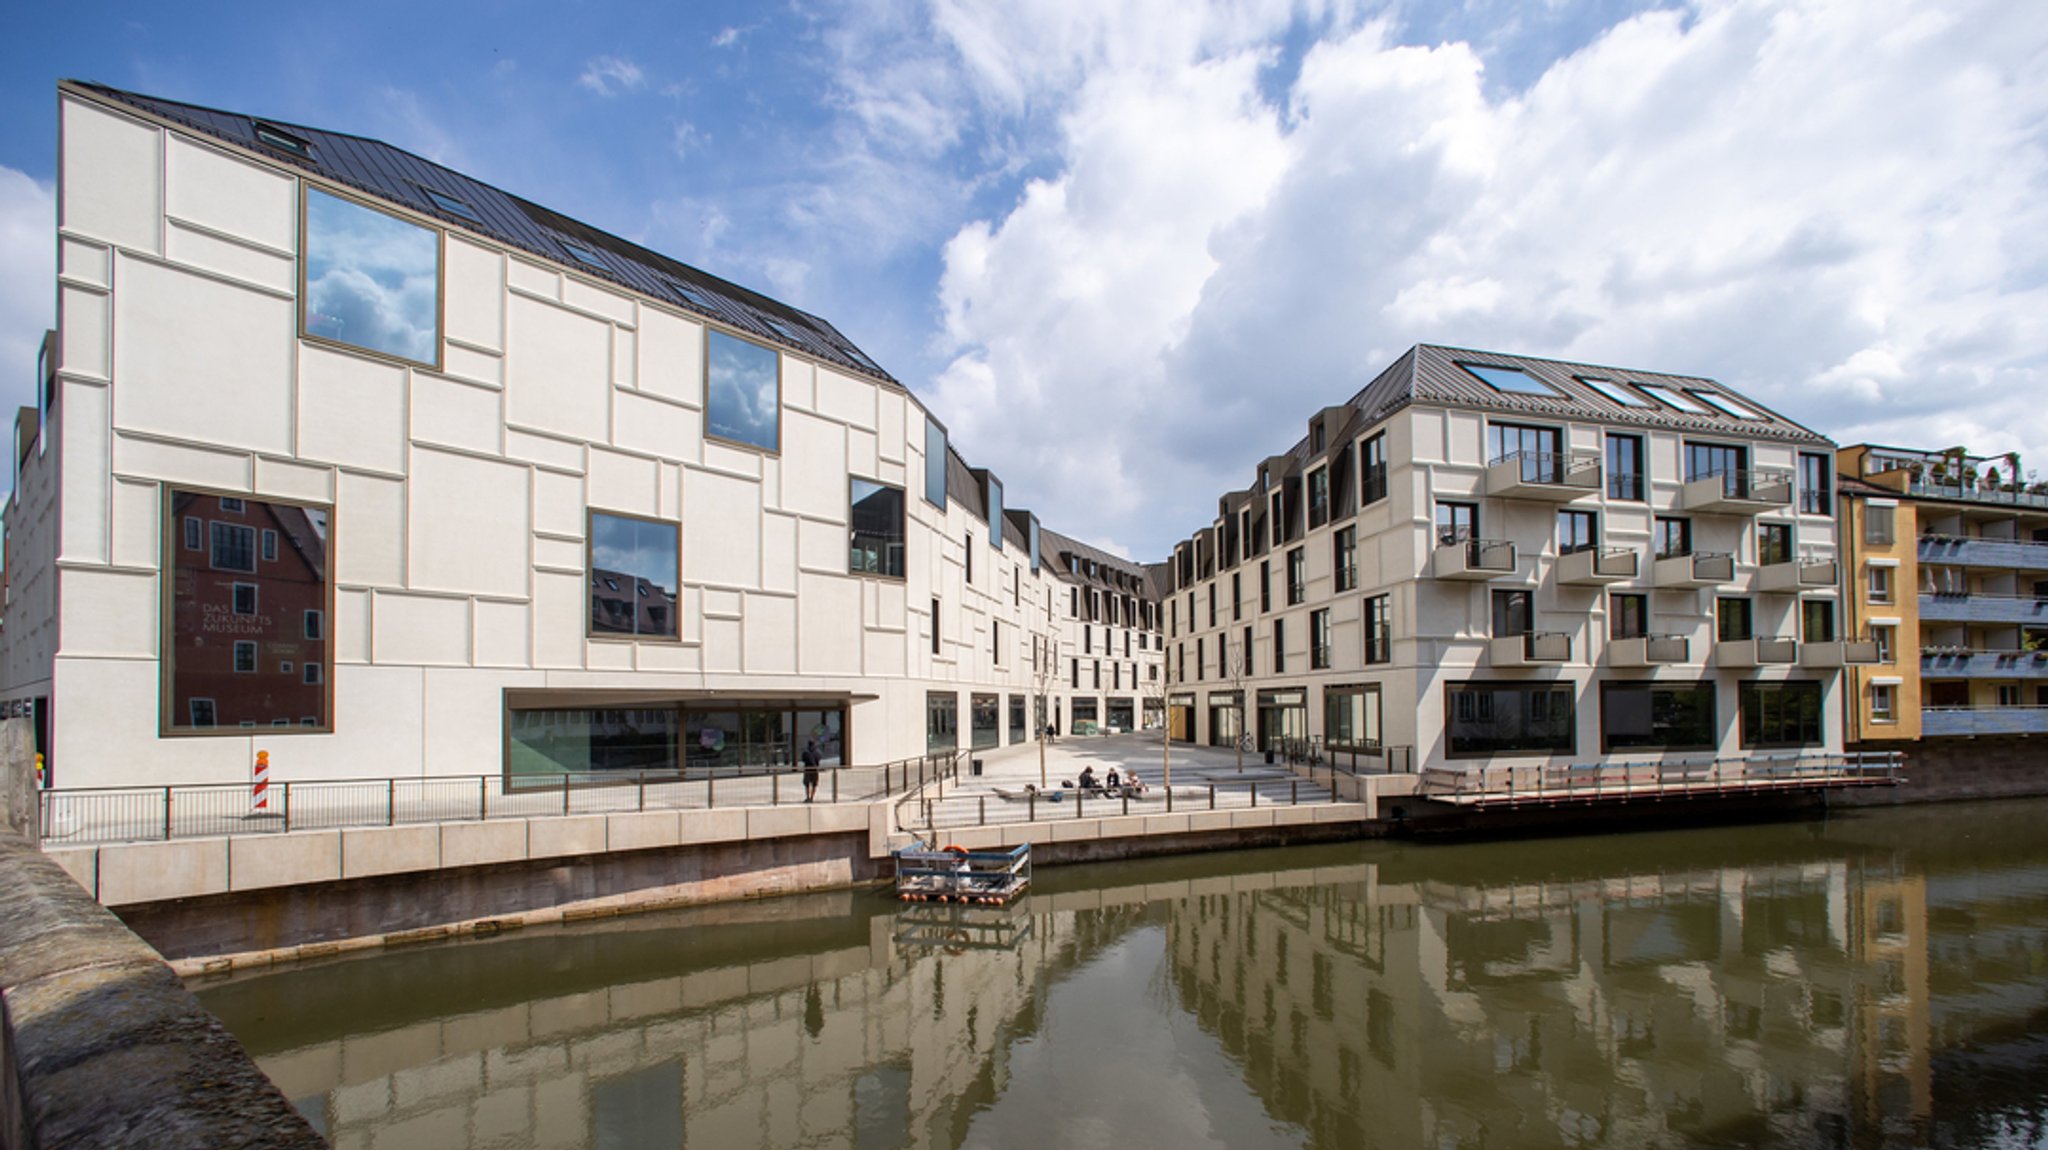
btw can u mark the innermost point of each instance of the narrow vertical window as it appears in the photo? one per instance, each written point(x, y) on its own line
point(935, 626)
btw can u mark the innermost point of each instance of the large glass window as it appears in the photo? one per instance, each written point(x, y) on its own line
point(1773, 543)
point(239, 650)
point(633, 583)
point(1625, 467)
point(1657, 716)
point(1351, 717)
point(373, 281)
point(941, 721)
point(1508, 718)
point(1379, 627)
point(1456, 522)
point(742, 391)
point(547, 744)
point(1535, 449)
point(1372, 471)
point(1673, 537)
point(1318, 497)
point(1816, 484)
point(1319, 639)
point(1817, 620)
point(876, 530)
point(1226, 718)
point(1017, 729)
point(1878, 519)
point(1514, 613)
point(987, 719)
point(1726, 462)
point(1344, 558)
point(1577, 531)
point(1628, 615)
point(1780, 714)
point(934, 464)
point(995, 512)
point(1732, 620)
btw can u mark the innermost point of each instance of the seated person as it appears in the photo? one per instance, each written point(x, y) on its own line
point(1088, 778)
point(1110, 779)
point(1134, 786)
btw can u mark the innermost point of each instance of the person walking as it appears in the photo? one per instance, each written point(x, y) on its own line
point(810, 761)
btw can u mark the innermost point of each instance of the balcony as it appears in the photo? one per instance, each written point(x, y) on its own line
point(1738, 492)
point(1474, 559)
point(1975, 493)
point(1535, 649)
point(1839, 653)
point(2020, 609)
point(1964, 664)
point(1548, 476)
point(1697, 569)
point(1650, 651)
point(1793, 576)
point(1597, 565)
point(2012, 554)
point(1984, 721)
point(1755, 652)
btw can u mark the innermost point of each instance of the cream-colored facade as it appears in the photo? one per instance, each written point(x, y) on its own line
point(442, 507)
point(1462, 573)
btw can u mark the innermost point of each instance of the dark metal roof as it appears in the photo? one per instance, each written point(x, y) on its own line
point(1051, 544)
point(395, 175)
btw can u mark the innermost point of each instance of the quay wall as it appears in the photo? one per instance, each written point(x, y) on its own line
point(1948, 769)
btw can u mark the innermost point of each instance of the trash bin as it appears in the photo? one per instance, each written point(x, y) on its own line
point(974, 766)
point(1269, 756)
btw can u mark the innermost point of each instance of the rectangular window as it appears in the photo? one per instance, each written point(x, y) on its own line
point(1628, 615)
point(1514, 613)
point(193, 526)
point(1379, 630)
point(229, 627)
point(994, 498)
point(1884, 703)
point(1201, 659)
point(1297, 577)
point(1212, 604)
point(269, 546)
point(1773, 543)
point(935, 626)
point(1577, 531)
point(1318, 497)
point(372, 280)
point(1673, 537)
point(1780, 714)
point(1625, 469)
point(1508, 718)
point(1351, 717)
point(1319, 639)
point(1727, 462)
point(934, 464)
point(1816, 484)
point(1537, 450)
point(941, 721)
point(742, 391)
point(311, 675)
point(1817, 620)
point(1879, 582)
point(1279, 646)
point(1246, 656)
point(995, 641)
point(633, 577)
point(1237, 596)
point(1883, 636)
point(1456, 523)
point(1344, 558)
point(1732, 620)
point(2008, 695)
point(1265, 585)
point(314, 622)
point(875, 529)
point(233, 547)
point(986, 716)
point(1878, 519)
point(1372, 472)
point(1657, 717)
point(967, 548)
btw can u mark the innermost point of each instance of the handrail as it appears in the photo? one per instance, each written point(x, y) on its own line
point(1545, 782)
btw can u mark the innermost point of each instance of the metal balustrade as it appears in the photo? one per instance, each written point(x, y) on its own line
point(1552, 783)
point(91, 815)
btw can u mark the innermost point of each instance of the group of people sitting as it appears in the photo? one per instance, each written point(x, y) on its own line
point(1128, 786)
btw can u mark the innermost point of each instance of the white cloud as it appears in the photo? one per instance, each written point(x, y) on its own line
point(28, 219)
point(611, 75)
point(1833, 207)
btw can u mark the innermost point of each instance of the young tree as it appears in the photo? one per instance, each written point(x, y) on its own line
point(1237, 667)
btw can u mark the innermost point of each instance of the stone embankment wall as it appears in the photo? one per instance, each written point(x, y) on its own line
point(1942, 769)
point(101, 1045)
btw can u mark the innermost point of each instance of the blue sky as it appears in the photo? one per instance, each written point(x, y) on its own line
point(1126, 250)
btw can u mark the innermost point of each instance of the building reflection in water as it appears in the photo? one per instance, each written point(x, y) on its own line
point(1832, 988)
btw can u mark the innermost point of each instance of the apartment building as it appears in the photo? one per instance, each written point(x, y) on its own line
point(1483, 556)
point(1948, 569)
point(347, 457)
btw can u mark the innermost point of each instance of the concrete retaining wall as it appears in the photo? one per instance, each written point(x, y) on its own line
point(101, 1045)
point(1943, 769)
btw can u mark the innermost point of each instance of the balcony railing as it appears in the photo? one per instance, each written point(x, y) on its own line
point(1474, 559)
point(1596, 565)
point(1649, 650)
point(1744, 492)
point(1795, 575)
point(1967, 664)
point(1984, 721)
point(1695, 569)
point(1838, 653)
point(1536, 648)
point(1555, 783)
point(1946, 608)
point(2010, 553)
point(1755, 652)
point(1976, 493)
point(1551, 476)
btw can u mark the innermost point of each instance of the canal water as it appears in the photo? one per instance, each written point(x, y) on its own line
point(1878, 979)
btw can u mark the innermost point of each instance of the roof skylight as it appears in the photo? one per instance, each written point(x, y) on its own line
point(283, 141)
point(453, 206)
point(1509, 379)
point(582, 254)
point(1726, 404)
point(1615, 392)
point(1671, 398)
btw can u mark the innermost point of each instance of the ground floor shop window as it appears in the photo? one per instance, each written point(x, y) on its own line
point(243, 601)
point(987, 721)
point(1226, 718)
point(1017, 728)
point(1780, 714)
point(1508, 718)
point(1283, 719)
point(1087, 713)
point(545, 743)
point(1180, 718)
point(1123, 714)
point(1657, 716)
point(941, 722)
point(1351, 717)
